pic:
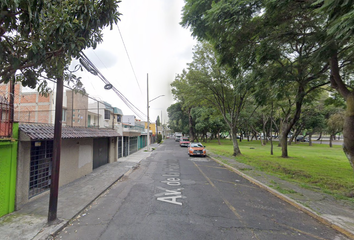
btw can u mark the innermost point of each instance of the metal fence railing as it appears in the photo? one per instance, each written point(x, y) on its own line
point(5, 118)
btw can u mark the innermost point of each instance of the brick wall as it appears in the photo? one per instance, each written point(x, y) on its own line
point(29, 106)
point(35, 108)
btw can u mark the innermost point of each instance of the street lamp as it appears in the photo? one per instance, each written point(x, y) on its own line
point(148, 121)
point(156, 98)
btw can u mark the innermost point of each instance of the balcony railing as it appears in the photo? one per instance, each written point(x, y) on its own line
point(5, 119)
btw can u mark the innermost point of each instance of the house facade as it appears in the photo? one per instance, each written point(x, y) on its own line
point(93, 134)
point(82, 150)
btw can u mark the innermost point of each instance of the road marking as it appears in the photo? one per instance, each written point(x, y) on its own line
point(214, 167)
point(235, 183)
point(171, 172)
point(232, 208)
point(198, 159)
point(240, 217)
point(172, 195)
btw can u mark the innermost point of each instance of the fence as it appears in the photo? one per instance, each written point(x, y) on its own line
point(5, 118)
point(78, 110)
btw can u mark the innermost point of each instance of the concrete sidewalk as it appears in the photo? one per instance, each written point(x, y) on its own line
point(30, 222)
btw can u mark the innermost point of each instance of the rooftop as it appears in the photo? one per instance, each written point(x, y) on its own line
point(46, 132)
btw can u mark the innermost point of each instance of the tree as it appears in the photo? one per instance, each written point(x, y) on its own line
point(183, 92)
point(339, 49)
point(178, 119)
point(201, 119)
point(279, 38)
point(218, 88)
point(159, 138)
point(335, 125)
point(158, 123)
point(39, 38)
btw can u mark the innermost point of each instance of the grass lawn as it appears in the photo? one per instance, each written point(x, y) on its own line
point(316, 166)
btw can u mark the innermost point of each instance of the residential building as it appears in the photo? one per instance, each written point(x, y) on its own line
point(82, 150)
point(93, 134)
point(75, 109)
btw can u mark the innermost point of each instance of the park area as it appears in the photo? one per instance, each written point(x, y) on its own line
point(317, 167)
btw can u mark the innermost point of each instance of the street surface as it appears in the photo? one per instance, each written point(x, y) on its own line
point(174, 196)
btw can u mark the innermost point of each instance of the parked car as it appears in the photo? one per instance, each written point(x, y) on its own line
point(184, 142)
point(196, 149)
point(177, 138)
point(302, 139)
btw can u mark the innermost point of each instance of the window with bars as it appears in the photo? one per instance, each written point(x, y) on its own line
point(107, 114)
point(41, 167)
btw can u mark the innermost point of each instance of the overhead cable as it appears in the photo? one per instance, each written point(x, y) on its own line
point(90, 67)
point(131, 65)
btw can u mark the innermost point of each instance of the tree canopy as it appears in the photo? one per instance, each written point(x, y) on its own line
point(39, 38)
point(290, 48)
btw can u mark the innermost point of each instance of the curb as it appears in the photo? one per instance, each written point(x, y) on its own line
point(289, 200)
point(49, 232)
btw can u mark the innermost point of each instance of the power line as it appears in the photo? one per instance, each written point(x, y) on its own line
point(90, 67)
point(131, 65)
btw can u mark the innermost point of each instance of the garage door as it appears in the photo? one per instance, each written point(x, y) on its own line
point(100, 152)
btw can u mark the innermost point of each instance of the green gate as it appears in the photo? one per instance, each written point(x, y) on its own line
point(8, 166)
point(142, 141)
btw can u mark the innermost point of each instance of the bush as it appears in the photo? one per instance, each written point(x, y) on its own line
point(159, 138)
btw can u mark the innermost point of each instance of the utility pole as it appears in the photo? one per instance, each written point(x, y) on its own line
point(162, 128)
point(12, 104)
point(54, 185)
point(148, 123)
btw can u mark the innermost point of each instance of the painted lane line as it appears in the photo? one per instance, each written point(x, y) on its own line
point(229, 205)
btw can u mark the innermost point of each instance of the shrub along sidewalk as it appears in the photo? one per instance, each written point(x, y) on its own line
point(316, 167)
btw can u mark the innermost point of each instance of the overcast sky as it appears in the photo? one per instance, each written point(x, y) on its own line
point(157, 45)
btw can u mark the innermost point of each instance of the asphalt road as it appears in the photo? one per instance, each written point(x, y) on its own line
point(174, 196)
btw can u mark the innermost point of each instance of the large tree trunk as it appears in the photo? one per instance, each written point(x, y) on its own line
point(284, 143)
point(271, 131)
point(319, 137)
point(191, 129)
point(218, 134)
point(348, 130)
point(263, 138)
point(287, 126)
point(235, 143)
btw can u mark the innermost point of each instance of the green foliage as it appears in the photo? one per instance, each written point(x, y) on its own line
point(213, 84)
point(39, 38)
point(286, 48)
point(336, 100)
point(335, 123)
point(178, 119)
point(158, 123)
point(273, 46)
point(159, 138)
point(341, 18)
point(317, 166)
